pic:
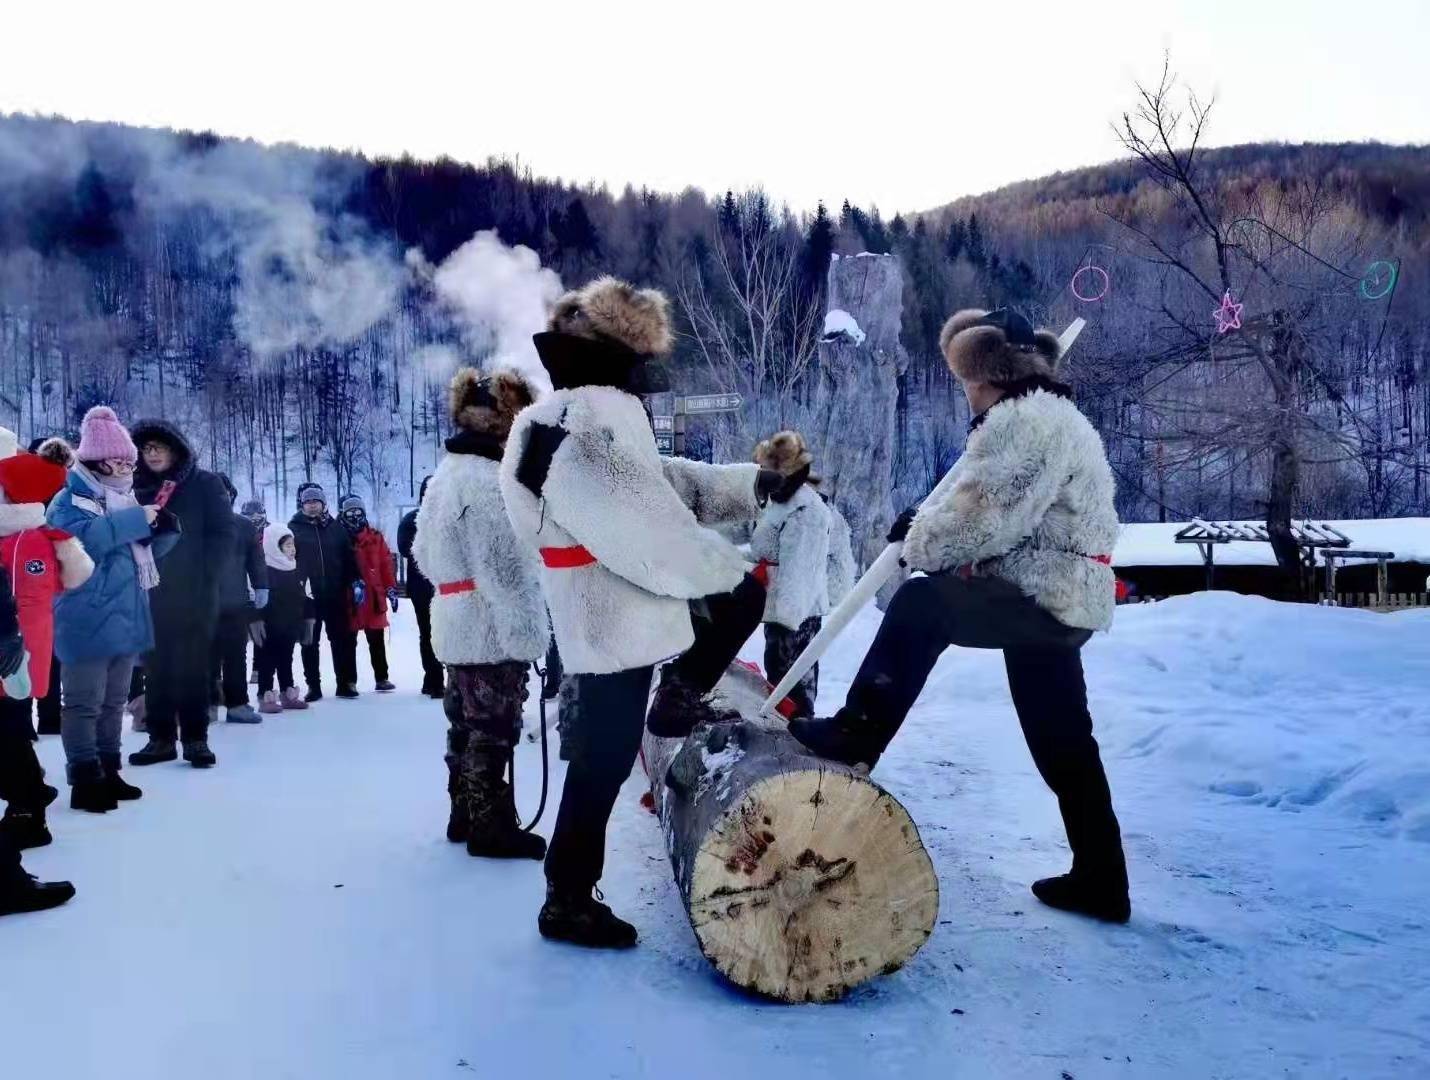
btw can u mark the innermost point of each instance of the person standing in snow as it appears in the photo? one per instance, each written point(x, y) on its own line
point(47, 708)
point(420, 592)
point(488, 617)
point(791, 540)
point(619, 531)
point(185, 602)
point(325, 555)
point(377, 576)
point(103, 628)
point(1017, 558)
point(39, 562)
point(257, 516)
point(19, 891)
point(286, 620)
point(243, 591)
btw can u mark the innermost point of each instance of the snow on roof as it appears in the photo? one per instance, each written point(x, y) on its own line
point(1155, 544)
point(839, 323)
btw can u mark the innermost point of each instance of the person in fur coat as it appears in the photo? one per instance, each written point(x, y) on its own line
point(40, 562)
point(1017, 557)
point(378, 574)
point(792, 539)
point(488, 617)
point(624, 552)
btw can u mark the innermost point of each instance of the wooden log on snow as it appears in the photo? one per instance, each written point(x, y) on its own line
point(802, 877)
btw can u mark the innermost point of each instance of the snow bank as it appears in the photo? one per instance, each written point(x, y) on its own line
point(839, 323)
point(1155, 544)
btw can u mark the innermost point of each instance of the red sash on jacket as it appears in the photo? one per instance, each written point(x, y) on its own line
point(451, 588)
point(566, 558)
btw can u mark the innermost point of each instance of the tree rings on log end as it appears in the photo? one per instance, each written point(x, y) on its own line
point(815, 881)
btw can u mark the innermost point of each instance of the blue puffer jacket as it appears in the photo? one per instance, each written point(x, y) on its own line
point(109, 614)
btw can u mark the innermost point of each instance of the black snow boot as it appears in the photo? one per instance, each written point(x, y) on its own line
point(580, 919)
point(847, 736)
point(493, 829)
point(198, 754)
point(28, 893)
point(155, 752)
point(25, 829)
point(678, 708)
point(457, 824)
point(315, 693)
point(347, 691)
point(89, 790)
point(1085, 895)
point(121, 791)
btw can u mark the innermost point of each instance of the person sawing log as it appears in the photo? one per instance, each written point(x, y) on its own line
point(1017, 557)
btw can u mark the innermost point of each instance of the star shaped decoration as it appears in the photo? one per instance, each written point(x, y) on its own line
point(1228, 316)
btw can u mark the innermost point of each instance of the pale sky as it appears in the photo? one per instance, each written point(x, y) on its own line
point(905, 105)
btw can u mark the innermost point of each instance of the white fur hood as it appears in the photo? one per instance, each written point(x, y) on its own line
point(1032, 503)
point(491, 609)
point(605, 489)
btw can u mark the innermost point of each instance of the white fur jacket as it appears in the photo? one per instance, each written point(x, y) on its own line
point(794, 538)
point(842, 567)
point(638, 517)
point(465, 539)
point(1032, 503)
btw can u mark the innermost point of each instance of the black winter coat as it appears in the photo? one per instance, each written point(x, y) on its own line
point(325, 556)
point(288, 603)
point(244, 568)
point(419, 589)
point(187, 596)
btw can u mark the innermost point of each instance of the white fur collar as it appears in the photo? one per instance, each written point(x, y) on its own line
point(17, 517)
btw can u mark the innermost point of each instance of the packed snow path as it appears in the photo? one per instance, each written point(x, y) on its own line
point(297, 913)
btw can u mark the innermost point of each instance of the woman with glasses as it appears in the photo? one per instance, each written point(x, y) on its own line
point(104, 626)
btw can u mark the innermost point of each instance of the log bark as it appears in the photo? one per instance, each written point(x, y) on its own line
point(802, 877)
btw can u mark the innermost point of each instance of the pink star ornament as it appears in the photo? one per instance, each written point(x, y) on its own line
point(1228, 316)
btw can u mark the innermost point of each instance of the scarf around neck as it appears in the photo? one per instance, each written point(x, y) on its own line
point(114, 498)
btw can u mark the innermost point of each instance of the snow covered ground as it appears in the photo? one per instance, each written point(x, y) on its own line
point(297, 913)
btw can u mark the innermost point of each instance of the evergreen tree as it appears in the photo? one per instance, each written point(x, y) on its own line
point(729, 217)
point(977, 251)
point(955, 239)
point(816, 253)
point(898, 229)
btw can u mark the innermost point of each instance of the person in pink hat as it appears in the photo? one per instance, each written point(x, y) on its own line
point(104, 626)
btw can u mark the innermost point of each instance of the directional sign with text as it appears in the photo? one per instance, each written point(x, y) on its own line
point(665, 442)
point(662, 423)
point(707, 403)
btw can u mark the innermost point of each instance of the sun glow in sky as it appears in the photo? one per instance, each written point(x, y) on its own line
point(900, 104)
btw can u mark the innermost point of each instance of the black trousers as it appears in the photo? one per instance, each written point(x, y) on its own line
point(432, 673)
point(783, 647)
point(178, 681)
point(1043, 660)
point(47, 708)
point(21, 776)
point(230, 658)
point(602, 745)
point(377, 653)
point(342, 642)
point(11, 874)
point(722, 625)
point(274, 658)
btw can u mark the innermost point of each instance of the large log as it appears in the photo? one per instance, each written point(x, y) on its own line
point(802, 878)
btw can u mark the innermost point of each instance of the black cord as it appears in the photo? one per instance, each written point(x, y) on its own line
point(545, 757)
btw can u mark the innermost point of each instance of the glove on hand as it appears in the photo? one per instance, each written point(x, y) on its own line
point(260, 598)
point(359, 593)
point(392, 598)
point(12, 655)
point(900, 529)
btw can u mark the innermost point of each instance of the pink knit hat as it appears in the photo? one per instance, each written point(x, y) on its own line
point(103, 438)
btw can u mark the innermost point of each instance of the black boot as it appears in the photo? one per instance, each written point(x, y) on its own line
point(28, 893)
point(347, 691)
point(1085, 895)
point(679, 708)
point(578, 918)
point(458, 825)
point(89, 790)
point(155, 752)
point(25, 829)
point(493, 829)
point(315, 693)
point(847, 736)
point(198, 754)
point(121, 791)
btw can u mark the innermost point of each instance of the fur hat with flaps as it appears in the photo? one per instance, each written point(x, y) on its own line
point(605, 334)
point(488, 404)
point(786, 453)
point(998, 346)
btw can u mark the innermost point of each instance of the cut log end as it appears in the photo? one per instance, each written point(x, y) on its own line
point(813, 882)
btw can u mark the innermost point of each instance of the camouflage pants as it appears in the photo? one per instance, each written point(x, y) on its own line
point(782, 649)
point(483, 706)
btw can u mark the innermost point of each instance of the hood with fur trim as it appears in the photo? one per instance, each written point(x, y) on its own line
point(998, 346)
point(487, 404)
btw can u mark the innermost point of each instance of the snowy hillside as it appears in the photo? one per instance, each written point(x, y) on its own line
point(296, 912)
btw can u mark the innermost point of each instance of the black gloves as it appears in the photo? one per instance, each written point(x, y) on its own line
point(775, 485)
point(12, 655)
point(899, 530)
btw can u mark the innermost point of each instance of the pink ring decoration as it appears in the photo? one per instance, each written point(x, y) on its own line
point(1106, 283)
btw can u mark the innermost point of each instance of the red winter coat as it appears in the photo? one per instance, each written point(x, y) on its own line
point(375, 567)
point(40, 563)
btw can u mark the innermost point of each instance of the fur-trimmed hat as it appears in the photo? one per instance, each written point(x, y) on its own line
point(786, 453)
point(611, 310)
point(998, 346)
point(487, 404)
